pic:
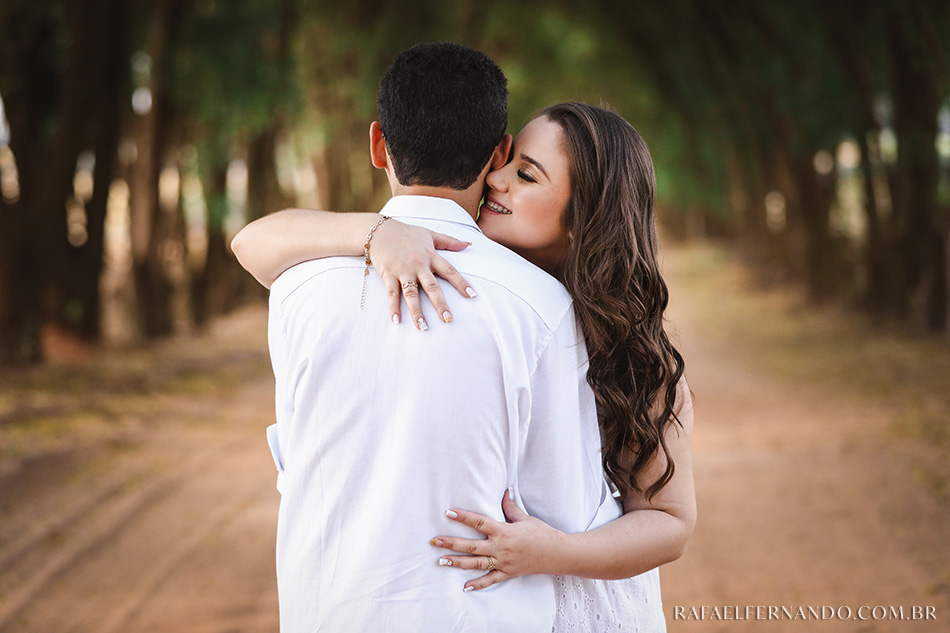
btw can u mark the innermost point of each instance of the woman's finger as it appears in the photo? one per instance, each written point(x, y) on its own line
point(494, 575)
point(448, 272)
point(489, 579)
point(393, 298)
point(410, 290)
point(512, 510)
point(485, 525)
point(465, 562)
point(444, 242)
point(429, 285)
point(474, 547)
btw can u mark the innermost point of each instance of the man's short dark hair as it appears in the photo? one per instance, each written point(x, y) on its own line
point(443, 108)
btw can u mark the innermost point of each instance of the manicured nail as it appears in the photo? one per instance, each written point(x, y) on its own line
point(447, 316)
point(421, 323)
point(437, 542)
point(452, 514)
point(470, 292)
point(511, 494)
point(445, 562)
point(467, 589)
point(396, 319)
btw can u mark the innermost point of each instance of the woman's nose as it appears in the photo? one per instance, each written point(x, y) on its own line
point(496, 180)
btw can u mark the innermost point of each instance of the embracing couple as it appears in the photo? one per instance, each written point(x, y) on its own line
point(519, 460)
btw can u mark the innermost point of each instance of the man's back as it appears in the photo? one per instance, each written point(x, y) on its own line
point(381, 428)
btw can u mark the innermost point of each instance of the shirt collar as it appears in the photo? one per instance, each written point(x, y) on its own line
point(428, 208)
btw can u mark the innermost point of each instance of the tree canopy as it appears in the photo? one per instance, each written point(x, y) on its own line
point(816, 135)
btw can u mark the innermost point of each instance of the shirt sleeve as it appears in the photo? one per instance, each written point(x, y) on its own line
point(560, 476)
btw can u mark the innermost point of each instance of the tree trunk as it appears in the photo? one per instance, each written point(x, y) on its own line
point(879, 251)
point(814, 205)
point(215, 287)
point(264, 194)
point(8, 312)
point(918, 72)
point(47, 114)
point(152, 229)
point(113, 35)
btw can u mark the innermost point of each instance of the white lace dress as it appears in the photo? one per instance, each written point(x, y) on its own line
point(595, 606)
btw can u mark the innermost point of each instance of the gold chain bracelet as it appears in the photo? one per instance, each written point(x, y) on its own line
point(366, 260)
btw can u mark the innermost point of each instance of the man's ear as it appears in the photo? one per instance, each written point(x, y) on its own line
point(377, 146)
point(500, 157)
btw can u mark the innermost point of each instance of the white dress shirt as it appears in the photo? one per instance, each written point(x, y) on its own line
point(381, 428)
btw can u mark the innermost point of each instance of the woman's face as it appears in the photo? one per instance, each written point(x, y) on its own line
point(525, 200)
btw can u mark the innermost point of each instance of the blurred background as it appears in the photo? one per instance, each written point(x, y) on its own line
point(803, 164)
point(137, 137)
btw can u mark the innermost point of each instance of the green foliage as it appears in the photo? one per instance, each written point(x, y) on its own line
point(231, 70)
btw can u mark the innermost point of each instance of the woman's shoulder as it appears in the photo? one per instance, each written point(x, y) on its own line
point(508, 273)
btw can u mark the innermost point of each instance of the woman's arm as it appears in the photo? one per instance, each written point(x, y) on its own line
point(400, 252)
point(270, 245)
point(649, 534)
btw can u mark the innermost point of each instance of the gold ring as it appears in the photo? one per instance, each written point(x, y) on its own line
point(491, 564)
point(409, 284)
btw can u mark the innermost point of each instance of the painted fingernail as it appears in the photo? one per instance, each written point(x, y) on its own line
point(445, 562)
point(421, 323)
point(447, 316)
point(511, 494)
point(470, 292)
point(396, 319)
point(437, 542)
point(467, 589)
point(452, 514)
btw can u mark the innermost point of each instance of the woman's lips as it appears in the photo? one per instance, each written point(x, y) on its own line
point(496, 208)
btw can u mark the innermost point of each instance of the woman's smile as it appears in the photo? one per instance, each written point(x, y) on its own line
point(493, 207)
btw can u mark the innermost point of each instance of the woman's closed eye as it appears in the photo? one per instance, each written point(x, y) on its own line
point(524, 176)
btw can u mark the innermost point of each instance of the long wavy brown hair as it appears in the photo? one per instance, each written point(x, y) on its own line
point(612, 272)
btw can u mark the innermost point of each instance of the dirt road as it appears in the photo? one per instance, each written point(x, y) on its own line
point(162, 517)
point(809, 493)
point(139, 496)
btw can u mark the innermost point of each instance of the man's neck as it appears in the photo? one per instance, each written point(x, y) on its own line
point(468, 199)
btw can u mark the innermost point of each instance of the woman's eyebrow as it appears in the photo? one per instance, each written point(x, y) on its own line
point(528, 159)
